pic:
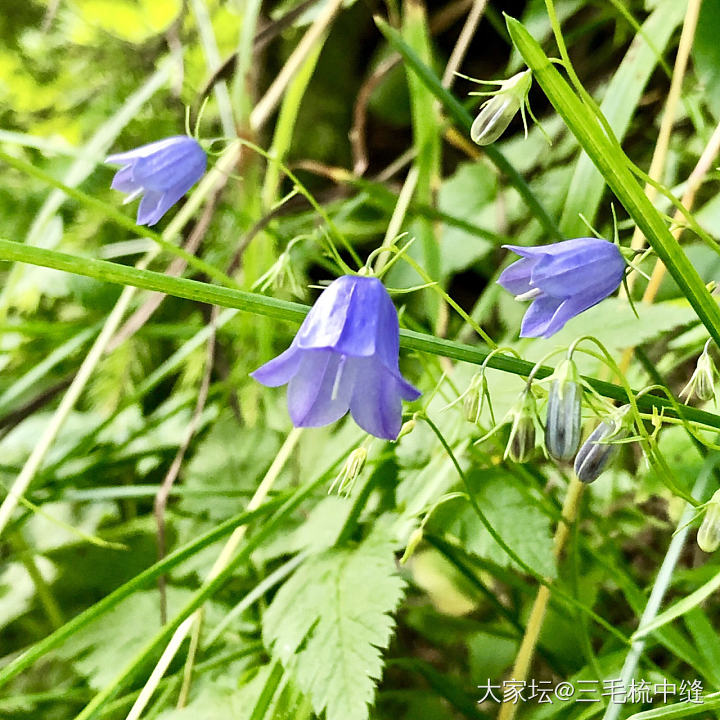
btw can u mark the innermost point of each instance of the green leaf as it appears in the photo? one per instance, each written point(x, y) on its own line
point(329, 622)
point(706, 54)
point(520, 523)
point(97, 650)
point(468, 194)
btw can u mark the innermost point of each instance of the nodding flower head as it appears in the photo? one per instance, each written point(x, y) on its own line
point(563, 280)
point(345, 357)
point(162, 172)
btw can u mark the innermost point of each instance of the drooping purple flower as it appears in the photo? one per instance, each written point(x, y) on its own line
point(563, 280)
point(345, 357)
point(162, 172)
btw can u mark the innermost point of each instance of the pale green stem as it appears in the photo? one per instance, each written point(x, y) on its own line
point(660, 586)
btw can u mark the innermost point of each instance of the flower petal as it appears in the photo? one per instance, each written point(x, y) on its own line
point(280, 369)
point(123, 181)
point(566, 310)
point(319, 392)
point(179, 164)
point(354, 316)
point(143, 151)
point(155, 204)
point(516, 277)
point(595, 266)
point(150, 209)
point(324, 324)
point(538, 316)
point(376, 404)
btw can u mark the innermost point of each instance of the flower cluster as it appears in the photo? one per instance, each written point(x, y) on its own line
point(562, 432)
point(345, 357)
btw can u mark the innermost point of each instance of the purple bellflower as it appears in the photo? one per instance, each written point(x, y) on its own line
point(345, 357)
point(162, 172)
point(563, 280)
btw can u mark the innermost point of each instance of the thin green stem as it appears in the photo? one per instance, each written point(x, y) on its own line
point(295, 312)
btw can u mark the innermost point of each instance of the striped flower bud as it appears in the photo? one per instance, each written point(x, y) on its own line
point(563, 423)
point(496, 113)
point(702, 382)
point(708, 537)
point(521, 442)
point(474, 398)
point(598, 451)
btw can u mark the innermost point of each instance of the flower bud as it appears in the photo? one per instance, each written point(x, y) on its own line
point(563, 423)
point(599, 449)
point(702, 382)
point(413, 541)
point(407, 428)
point(708, 537)
point(521, 442)
point(474, 397)
point(497, 112)
point(350, 471)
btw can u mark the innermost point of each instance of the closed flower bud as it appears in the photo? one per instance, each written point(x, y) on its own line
point(413, 541)
point(702, 382)
point(708, 538)
point(496, 113)
point(521, 442)
point(563, 423)
point(474, 397)
point(598, 451)
point(350, 471)
point(407, 428)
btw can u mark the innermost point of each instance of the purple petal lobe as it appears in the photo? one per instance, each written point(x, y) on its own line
point(516, 277)
point(279, 370)
point(150, 209)
point(123, 180)
point(319, 392)
point(538, 316)
point(143, 151)
point(376, 404)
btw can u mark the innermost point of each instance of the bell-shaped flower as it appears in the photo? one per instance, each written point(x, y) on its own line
point(345, 357)
point(162, 172)
point(563, 280)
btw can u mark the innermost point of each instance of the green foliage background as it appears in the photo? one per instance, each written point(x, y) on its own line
point(315, 616)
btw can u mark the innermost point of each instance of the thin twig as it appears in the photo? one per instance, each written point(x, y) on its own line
point(267, 104)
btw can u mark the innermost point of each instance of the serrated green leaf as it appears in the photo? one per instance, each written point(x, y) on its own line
point(329, 622)
point(519, 522)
